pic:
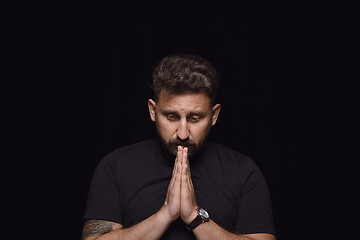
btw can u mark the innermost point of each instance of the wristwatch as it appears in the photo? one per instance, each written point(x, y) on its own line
point(201, 217)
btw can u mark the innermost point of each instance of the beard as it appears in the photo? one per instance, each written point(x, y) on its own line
point(170, 146)
point(194, 148)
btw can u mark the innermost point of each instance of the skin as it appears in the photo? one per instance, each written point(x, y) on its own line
point(185, 118)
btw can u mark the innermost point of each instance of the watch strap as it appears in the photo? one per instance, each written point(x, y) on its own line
point(196, 222)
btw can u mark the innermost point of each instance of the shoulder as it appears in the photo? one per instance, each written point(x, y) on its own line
point(228, 154)
point(130, 154)
point(238, 167)
point(135, 149)
point(214, 146)
point(231, 160)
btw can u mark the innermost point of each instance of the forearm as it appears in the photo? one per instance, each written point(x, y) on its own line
point(210, 230)
point(151, 228)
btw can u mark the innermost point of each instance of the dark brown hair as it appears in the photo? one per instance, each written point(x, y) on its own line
point(180, 74)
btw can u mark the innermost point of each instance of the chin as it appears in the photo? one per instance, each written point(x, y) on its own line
point(192, 151)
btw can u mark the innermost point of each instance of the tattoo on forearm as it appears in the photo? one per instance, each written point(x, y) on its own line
point(96, 227)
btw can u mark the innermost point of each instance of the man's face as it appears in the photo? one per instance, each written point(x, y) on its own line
point(183, 120)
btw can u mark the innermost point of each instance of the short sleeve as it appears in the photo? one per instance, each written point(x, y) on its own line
point(255, 212)
point(103, 202)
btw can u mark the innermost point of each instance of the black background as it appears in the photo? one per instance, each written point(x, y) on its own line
point(80, 72)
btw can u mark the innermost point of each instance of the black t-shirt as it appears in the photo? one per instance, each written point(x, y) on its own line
point(130, 184)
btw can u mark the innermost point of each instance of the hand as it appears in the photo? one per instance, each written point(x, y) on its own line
point(180, 198)
point(188, 199)
point(173, 195)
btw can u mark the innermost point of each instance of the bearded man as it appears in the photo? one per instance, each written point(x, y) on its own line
point(180, 185)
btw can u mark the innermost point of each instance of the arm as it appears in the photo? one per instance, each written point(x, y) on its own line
point(207, 230)
point(210, 230)
point(152, 227)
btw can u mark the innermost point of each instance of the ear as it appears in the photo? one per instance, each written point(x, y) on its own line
point(151, 105)
point(215, 113)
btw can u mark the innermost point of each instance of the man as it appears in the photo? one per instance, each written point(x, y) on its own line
point(179, 186)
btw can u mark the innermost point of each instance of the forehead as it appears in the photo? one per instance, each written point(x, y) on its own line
point(183, 102)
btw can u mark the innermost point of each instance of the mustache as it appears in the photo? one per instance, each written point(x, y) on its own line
point(187, 143)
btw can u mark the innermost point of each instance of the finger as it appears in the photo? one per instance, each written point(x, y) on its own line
point(177, 159)
point(175, 177)
point(185, 150)
point(187, 170)
point(175, 184)
point(177, 166)
point(184, 182)
point(186, 162)
point(188, 198)
point(179, 156)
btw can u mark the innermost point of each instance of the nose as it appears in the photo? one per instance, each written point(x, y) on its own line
point(183, 131)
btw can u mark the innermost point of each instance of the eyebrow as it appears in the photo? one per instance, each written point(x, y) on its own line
point(198, 112)
point(167, 111)
point(191, 113)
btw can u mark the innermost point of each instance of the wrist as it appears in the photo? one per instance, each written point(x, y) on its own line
point(164, 216)
point(202, 216)
point(191, 217)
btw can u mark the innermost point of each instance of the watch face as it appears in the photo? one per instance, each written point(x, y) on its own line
point(203, 213)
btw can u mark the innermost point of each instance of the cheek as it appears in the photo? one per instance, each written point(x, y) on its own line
point(200, 131)
point(166, 129)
